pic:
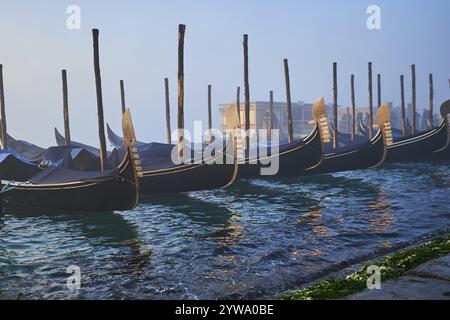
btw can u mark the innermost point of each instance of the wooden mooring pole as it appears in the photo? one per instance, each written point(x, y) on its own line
point(65, 107)
point(209, 114)
point(181, 32)
point(352, 85)
point(98, 87)
point(122, 96)
point(288, 101)
point(335, 107)
point(431, 97)
point(246, 93)
point(413, 83)
point(270, 114)
point(379, 90)
point(238, 104)
point(402, 102)
point(370, 102)
point(168, 131)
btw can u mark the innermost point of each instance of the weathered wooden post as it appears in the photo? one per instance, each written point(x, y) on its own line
point(238, 104)
point(352, 85)
point(65, 107)
point(209, 113)
point(379, 89)
point(98, 87)
point(181, 32)
point(270, 114)
point(288, 100)
point(370, 102)
point(168, 132)
point(402, 97)
point(122, 96)
point(246, 93)
point(335, 107)
point(3, 112)
point(430, 121)
point(413, 80)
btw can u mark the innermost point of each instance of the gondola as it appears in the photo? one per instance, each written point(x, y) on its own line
point(428, 145)
point(293, 158)
point(64, 189)
point(161, 175)
point(370, 154)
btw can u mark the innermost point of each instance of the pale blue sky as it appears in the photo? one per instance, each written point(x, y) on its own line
point(139, 44)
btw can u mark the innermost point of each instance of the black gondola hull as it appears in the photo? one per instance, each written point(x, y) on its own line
point(368, 155)
point(189, 177)
point(293, 159)
point(119, 192)
point(420, 147)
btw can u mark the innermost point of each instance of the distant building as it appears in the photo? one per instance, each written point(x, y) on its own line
point(301, 116)
point(260, 116)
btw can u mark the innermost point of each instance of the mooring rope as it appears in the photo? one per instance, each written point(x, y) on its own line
point(6, 189)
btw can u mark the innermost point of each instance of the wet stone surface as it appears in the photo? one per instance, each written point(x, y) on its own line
point(429, 281)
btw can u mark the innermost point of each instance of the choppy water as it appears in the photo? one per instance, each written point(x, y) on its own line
point(253, 240)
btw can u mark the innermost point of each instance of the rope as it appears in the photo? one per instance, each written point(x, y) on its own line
point(6, 189)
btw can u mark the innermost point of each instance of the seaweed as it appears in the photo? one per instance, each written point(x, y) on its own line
point(391, 267)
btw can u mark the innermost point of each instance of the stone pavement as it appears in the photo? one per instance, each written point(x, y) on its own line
point(429, 281)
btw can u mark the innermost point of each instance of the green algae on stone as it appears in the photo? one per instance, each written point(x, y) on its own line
point(391, 267)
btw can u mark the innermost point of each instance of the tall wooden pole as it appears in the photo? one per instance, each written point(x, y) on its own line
point(3, 113)
point(246, 93)
point(370, 102)
point(270, 114)
point(379, 89)
point(181, 32)
point(122, 96)
point(168, 131)
point(98, 87)
point(65, 107)
point(209, 112)
point(402, 97)
point(238, 104)
point(352, 85)
point(288, 100)
point(430, 121)
point(413, 79)
point(335, 106)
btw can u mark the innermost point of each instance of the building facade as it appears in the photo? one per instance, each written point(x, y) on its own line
point(301, 117)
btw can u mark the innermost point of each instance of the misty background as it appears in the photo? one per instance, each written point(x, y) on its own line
point(138, 43)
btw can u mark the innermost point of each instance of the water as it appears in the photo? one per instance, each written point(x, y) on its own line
point(253, 240)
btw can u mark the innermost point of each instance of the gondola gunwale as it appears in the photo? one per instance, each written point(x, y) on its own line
point(419, 136)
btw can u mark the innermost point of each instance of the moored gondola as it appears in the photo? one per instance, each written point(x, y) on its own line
point(162, 174)
point(293, 158)
point(64, 189)
point(363, 156)
point(428, 145)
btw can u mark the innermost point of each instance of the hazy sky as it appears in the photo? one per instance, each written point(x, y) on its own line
point(138, 43)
